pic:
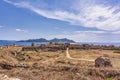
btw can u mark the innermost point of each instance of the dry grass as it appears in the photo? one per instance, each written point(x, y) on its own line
point(93, 54)
point(48, 65)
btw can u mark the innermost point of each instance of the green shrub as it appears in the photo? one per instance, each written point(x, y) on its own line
point(109, 78)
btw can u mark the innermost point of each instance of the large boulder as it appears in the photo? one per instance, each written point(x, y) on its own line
point(103, 62)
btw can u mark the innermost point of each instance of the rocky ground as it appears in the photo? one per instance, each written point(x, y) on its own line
point(54, 65)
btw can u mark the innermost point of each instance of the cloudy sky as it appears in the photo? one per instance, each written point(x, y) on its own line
point(80, 20)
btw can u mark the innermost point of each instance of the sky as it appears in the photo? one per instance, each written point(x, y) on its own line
point(79, 20)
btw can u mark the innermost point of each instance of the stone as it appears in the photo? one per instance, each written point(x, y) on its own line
point(33, 44)
point(103, 62)
point(5, 77)
point(6, 65)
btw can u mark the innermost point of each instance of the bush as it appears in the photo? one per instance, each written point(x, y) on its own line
point(109, 78)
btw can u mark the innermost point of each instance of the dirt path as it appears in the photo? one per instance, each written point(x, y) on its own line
point(69, 57)
point(53, 59)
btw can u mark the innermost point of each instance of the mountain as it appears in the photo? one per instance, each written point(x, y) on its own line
point(64, 40)
point(35, 40)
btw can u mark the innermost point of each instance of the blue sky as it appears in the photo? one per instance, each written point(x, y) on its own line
point(79, 20)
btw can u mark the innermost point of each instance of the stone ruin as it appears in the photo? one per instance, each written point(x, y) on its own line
point(33, 44)
point(103, 62)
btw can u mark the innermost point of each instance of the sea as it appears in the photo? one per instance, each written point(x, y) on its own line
point(3, 43)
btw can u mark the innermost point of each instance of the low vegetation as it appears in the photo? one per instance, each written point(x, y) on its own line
point(54, 65)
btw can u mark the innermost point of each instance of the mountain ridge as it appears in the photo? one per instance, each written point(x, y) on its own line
point(63, 40)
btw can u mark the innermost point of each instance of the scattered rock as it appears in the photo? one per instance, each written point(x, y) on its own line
point(22, 65)
point(20, 56)
point(9, 65)
point(103, 62)
point(6, 65)
point(5, 77)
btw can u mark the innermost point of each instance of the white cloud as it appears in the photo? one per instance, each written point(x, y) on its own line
point(81, 37)
point(103, 17)
point(116, 32)
point(21, 30)
point(95, 32)
point(91, 36)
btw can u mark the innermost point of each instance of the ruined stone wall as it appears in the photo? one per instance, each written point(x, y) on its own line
point(55, 47)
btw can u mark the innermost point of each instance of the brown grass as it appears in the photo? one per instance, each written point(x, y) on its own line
point(48, 65)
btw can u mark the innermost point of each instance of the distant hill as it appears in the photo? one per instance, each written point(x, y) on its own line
point(35, 40)
point(64, 40)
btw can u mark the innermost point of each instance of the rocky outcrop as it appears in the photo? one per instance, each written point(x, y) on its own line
point(103, 62)
point(10, 65)
point(6, 65)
